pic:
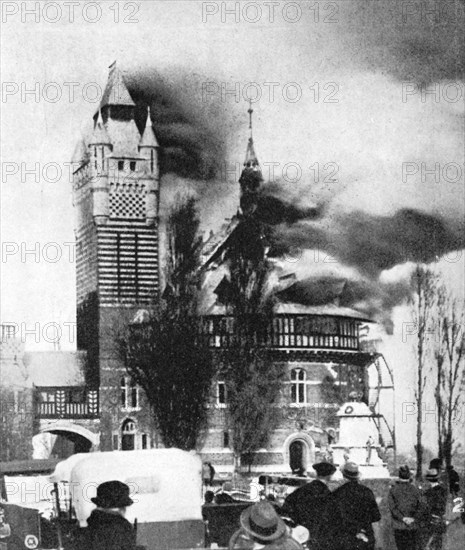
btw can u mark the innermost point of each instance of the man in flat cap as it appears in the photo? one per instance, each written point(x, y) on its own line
point(108, 529)
point(306, 506)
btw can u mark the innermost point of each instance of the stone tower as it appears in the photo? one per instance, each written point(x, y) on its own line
point(116, 196)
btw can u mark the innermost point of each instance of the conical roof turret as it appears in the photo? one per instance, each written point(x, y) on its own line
point(148, 137)
point(116, 92)
point(100, 135)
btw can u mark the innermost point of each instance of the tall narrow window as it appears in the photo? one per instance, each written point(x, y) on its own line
point(298, 386)
point(123, 392)
point(152, 158)
point(129, 393)
point(220, 393)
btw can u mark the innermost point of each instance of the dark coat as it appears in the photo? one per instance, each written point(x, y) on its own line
point(436, 500)
point(404, 500)
point(353, 510)
point(109, 531)
point(306, 505)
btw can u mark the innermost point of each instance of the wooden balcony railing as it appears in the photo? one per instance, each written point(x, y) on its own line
point(290, 331)
point(66, 402)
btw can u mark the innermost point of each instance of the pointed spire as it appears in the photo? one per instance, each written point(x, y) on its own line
point(251, 159)
point(148, 137)
point(100, 135)
point(116, 92)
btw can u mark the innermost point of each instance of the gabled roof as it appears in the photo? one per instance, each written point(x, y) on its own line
point(217, 242)
point(116, 92)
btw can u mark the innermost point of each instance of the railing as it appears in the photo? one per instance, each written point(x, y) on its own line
point(290, 331)
point(66, 402)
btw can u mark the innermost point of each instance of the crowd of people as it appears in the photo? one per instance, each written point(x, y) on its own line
point(341, 519)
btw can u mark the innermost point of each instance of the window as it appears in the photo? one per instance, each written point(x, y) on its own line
point(121, 165)
point(152, 160)
point(129, 393)
point(225, 439)
point(298, 386)
point(132, 165)
point(144, 441)
point(221, 393)
point(115, 442)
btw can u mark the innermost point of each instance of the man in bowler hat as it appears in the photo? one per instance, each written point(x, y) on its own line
point(306, 506)
point(108, 529)
point(352, 512)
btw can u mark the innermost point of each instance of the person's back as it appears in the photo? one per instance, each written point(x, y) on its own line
point(405, 505)
point(304, 504)
point(107, 528)
point(436, 500)
point(110, 531)
point(353, 510)
point(454, 481)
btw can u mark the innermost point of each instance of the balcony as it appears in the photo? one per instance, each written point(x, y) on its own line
point(291, 331)
point(66, 402)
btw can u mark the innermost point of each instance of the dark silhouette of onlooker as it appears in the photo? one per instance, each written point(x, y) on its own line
point(352, 511)
point(404, 501)
point(454, 481)
point(436, 499)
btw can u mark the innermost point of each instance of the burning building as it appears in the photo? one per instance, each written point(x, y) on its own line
point(117, 188)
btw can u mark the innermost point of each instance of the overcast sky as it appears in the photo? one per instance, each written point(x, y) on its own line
point(364, 99)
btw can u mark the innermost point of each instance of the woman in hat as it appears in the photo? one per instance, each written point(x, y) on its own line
point(436, 499)
point(261, 526)
point(404, 501)
point(353, 511)
point(108, 529)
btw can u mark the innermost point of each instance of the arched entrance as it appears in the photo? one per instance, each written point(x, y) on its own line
point(62, 439)
point(128, 435)
point(299, 452)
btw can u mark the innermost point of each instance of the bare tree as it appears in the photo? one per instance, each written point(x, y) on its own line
point(167, 354)
point(450, 360)
point(424, 285)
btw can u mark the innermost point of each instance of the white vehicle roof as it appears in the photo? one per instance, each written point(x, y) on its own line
point(165, 484)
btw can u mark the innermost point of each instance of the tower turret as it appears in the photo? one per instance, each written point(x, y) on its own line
point(100, 148)
point(251, 177)
point(148, 150)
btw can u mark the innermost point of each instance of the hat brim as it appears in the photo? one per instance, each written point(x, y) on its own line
point(101, 503)
point(350, 475)
point(245, 524)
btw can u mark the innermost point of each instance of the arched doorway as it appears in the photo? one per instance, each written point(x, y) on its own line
point(298, 452)
point(128, 435)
